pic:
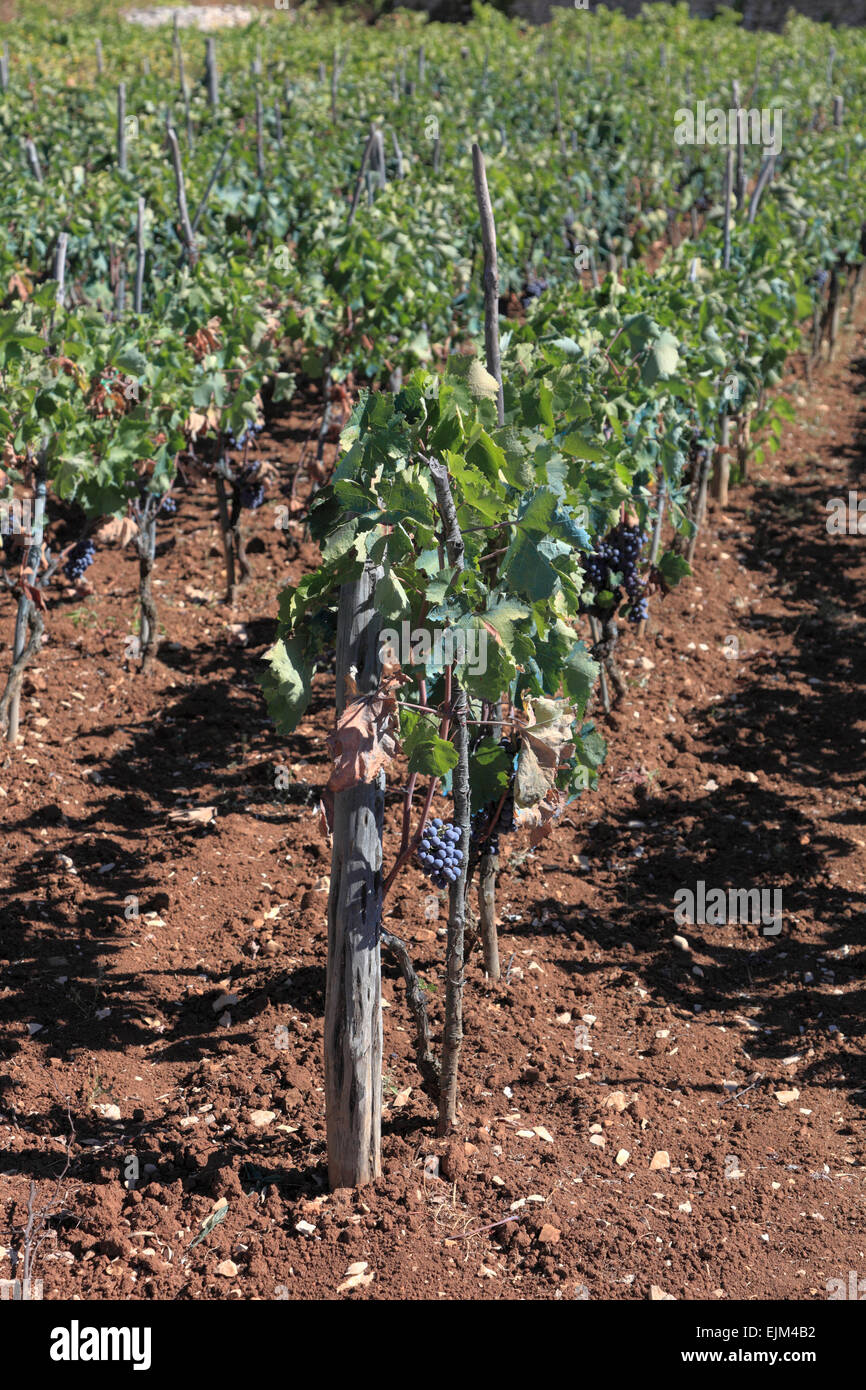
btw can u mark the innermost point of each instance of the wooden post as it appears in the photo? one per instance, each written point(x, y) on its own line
point(121, 127)
point(353, 1004)
point(25, 608)
point(838, 108)
point(489, 865)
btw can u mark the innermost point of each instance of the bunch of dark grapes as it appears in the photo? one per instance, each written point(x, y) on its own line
point(247, 434)
point(252, 491)
point(531, 290)
point(819, 278)
point(439, 853)
point(80, 559)
point(619, 553)
point(168, 506)
point(482, 843)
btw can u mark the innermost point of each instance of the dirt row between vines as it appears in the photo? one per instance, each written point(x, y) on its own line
point(634, 1113)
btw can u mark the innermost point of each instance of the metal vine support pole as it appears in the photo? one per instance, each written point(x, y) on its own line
point(213, 86)
point(655, 546)
point(33, 160)
point(722, 471)
point(183, 213)
point(763, 179)
point(146, 544)
point(335, 82)
point(26, 618)
point(359, 182)
point(188, 118)
point(700, 503)
point(454, 956)
point(60, 267)
point(4, 68)
point(228, 543)
point(210, 185)
point(260, 140)
point(139, 257)
point(741, 164)
point(278, 124)
point(121, 127)
point(489, 865)
point(558, 111)
point(729, 179)
point(398, 154)
point(491, 276)
point(595, 629)
point(353, 1003)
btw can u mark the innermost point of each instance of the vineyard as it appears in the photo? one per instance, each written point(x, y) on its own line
point(431, 694)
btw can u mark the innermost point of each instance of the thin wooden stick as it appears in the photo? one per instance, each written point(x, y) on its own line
point(183, 213)
point(491, 277)
point(763, 179)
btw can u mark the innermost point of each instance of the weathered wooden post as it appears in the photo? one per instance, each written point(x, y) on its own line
point(353, 1003)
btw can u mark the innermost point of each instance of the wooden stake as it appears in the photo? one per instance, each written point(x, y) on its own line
point(353, 1005)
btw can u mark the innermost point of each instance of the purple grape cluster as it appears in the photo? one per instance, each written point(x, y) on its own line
point(619, 553)
point(168, 506)
point(505, 825)
point(439, 853)
point(251, 488)
point(80, 559)
point(531, 290)
point(246, 435)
